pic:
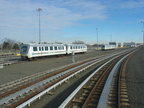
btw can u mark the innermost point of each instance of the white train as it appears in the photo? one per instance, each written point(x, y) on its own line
point(30, 51)
point(108, 47)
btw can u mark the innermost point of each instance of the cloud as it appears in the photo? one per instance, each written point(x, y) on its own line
point(123, 4)
point(132, 4)
point(62, 13)
point(19, 18)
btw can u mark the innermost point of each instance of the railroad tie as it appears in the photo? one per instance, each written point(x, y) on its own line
point(50, 93)
point(76, 100)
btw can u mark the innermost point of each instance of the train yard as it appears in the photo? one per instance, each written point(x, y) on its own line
point(96, 79)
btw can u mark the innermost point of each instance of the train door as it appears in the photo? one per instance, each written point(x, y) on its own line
point(67, 49)
point(40, 51)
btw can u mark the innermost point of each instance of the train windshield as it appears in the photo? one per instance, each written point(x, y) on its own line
point(24, 49)
point(103, 46)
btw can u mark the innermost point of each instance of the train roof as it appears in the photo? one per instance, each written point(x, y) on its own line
point(31, 44)
point(43, 44)
point(108, 45)
point(76, 44)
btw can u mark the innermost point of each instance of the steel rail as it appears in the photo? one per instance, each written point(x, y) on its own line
point(6, 100)
point(70, 97)
point(122, 90)
point(55, 85)
point(17, 82)
point(104, 95)
point(60, 82)
point(99, 85)
point(123, 100)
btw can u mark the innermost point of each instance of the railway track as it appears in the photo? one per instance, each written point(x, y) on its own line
point(23, 92)
point(8, 59)
point(106, 88)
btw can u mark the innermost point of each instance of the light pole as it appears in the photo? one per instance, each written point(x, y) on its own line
point(97, 38)
point(143, 33)
point(39, 10)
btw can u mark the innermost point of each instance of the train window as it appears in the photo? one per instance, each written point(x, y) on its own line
point(39, 48)
point(42, 48)
point(81, 47)
point(46, 48)
point(34, 48)
point(51, 48)
point(70, 47)
point(59, 48)
point(24, 49)
point(55, 47)
point(76, 47)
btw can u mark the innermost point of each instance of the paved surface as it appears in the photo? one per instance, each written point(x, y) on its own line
point(17, 71)
point(135, 80)
point(134, 72)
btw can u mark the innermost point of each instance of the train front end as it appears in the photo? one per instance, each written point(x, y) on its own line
point(24, 49)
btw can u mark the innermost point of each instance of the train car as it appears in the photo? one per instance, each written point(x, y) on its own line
point(76, 48)
point(29, 51)
point(108, 47)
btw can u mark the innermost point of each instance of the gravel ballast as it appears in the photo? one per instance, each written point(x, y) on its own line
point(135, 80)
point(134, 71)
point(17, 71)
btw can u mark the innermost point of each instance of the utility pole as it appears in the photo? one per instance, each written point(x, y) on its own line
point(97, 38)
point(39, 10)
point(73, 58)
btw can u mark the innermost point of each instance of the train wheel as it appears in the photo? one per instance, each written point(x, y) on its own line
point(35, 58)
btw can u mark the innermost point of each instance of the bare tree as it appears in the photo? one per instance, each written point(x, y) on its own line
point(16, 46)
point(58, 42)
point(32, 42)
point(78, 42)
point(8, 44)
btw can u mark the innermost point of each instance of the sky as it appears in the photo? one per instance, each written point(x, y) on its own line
point(67, 21)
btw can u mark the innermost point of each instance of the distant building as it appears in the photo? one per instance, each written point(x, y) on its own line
point(129, 44)
point(120, 45)
point(116, 44)
point(113, 43)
